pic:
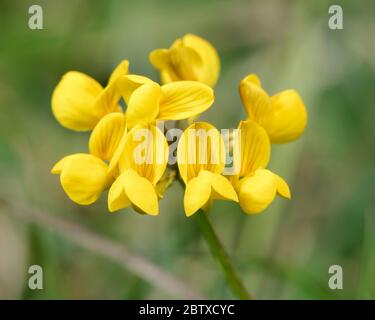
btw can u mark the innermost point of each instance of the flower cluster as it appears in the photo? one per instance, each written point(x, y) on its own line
point(133, 158)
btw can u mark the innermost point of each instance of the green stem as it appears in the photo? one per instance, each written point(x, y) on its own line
point(218, 252)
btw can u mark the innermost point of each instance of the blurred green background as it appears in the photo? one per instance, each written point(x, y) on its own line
point(283, 253)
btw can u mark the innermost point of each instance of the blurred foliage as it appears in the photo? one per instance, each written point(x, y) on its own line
point(284, 252)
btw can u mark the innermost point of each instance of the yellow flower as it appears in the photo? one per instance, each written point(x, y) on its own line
point(283, 115)
point(256, 186)
point(85, 176)
point(200, 157)
point(147, 101)
point(141, 165)
point(189, 58)
point(79, 101)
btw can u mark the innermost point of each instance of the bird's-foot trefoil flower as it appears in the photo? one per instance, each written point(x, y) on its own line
point(189, 58)
point(141, 164)
point(255, 185)
point(201, 160)
point(282, 115)
point(85, 176)
point(79, 101)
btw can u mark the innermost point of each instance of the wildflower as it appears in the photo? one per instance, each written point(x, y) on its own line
point(147, 101)
point(85, 176)
point(200, 157)
point(283, 115)
point(255, 185)
point(141, 166)
point(79, 101)
point(189, 58)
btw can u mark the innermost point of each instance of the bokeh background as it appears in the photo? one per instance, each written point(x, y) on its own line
point(283, 253)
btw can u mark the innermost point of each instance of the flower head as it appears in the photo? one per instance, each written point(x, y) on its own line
point(283, 115)
point(189, 58)
point(201, 160)
point(128, 154)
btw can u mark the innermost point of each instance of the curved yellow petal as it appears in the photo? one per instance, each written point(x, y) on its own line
point(201, 147)
point(145, 151)
point(197, 194)
point(73, 101)
point(255, 147)
point(282, 187)
point(143, 106)
point(186, 62)
point(160, 58)
point(209, 72)
point(184, 99)
point(57, 168)
point(106, 136)
point(83, 178)
point(113, 164)
point(117, 198)
point(256, 101)
point(258, 191)
point(128, 188)
point(288, 118)
point(141, 193)
point(121, 69)
point(223, 188)
point(108, 101)
point(127, 84)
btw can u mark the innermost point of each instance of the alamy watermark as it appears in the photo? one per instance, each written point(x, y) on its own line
point(335, 281)
point(336, 19)
point(196, 146)
point(36, 17)
point(36, 278)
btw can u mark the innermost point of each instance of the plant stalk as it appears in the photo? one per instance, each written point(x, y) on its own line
point(219, 253)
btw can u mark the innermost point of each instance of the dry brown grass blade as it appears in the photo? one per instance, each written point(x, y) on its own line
point(104, 246)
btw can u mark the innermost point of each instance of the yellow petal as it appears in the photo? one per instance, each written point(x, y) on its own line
point(73, 100)
point(83, 178)
point(210, 69)
point(254, 79)
point(121, 69)
point(186, 63)
point(145, 151)
point(255, 147)
point(113, 164)
point(223, 188)
point(184, 99)
point(106, 136)
point(57, 168)
point(130, 187)
point(256, 101)
point(201, 147)
point(127, 84)
point(197, 194)
point(141, 193)
point(258, 191)
point(108, 101)
point(288, 119)
point(282, 187)
point(161, 60)
point(143, 106)
point(117, 198)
